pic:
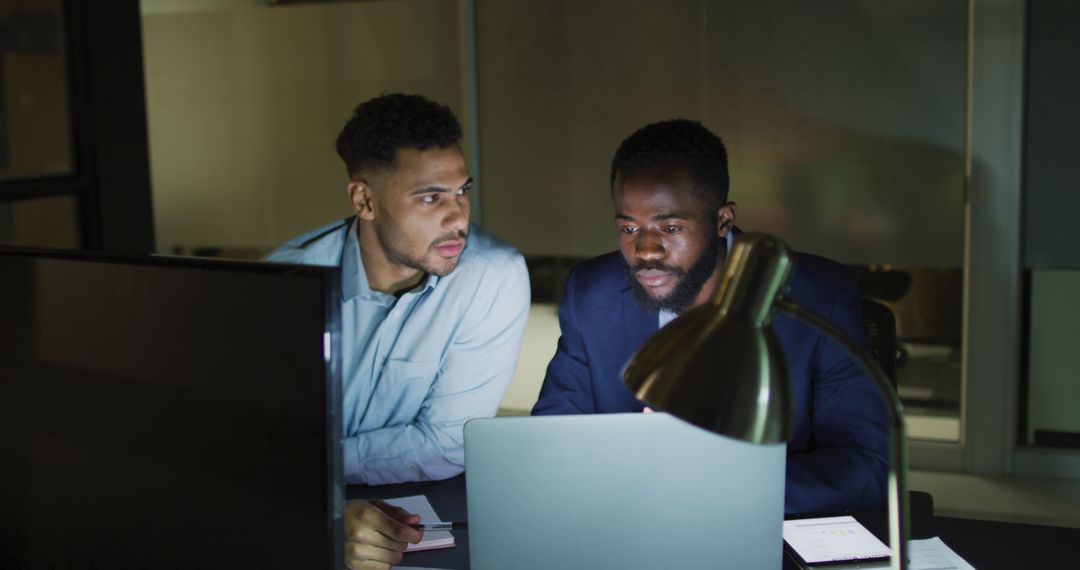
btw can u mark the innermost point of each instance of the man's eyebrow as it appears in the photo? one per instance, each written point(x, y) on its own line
point(660, 218)
point(442, 189)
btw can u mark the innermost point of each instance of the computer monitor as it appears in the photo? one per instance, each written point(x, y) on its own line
point(167, 413)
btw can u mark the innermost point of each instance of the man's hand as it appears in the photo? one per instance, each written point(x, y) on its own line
point(376, 534)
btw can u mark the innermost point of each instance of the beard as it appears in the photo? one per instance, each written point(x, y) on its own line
point(396, 247)
point(689, 282)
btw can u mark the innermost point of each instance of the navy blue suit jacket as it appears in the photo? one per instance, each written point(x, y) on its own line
point(837, 458)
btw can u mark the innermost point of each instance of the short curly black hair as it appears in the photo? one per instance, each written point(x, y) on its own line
point(677, 144)
point(381, 126)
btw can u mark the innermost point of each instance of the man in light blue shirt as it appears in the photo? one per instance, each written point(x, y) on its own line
point(433, 309)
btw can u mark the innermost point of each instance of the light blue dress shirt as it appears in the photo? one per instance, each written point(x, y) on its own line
point(416, 368)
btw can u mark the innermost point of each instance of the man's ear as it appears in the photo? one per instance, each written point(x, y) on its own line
point(725, 218)
point(362, 199)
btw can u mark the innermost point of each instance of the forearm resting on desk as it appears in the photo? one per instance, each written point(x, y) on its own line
point(399, 454)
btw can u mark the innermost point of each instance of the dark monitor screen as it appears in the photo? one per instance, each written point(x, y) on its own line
point(167, 413)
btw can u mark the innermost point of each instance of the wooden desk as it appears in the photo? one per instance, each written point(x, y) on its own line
point(986, 545)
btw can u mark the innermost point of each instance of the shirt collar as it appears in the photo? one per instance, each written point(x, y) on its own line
point(354, 282)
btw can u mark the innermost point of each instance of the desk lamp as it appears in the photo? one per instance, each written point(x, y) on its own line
point(678, 369)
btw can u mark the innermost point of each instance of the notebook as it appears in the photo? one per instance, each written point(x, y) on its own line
point(419, 505)
point(620, 491)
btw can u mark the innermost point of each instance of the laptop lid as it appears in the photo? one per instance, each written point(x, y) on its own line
point(620, 491)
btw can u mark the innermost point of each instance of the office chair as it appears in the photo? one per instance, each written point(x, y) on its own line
point(881, 325)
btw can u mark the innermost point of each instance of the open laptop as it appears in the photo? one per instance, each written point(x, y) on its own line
point(620, 491)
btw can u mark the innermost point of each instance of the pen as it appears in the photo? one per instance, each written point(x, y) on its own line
point(441, 526)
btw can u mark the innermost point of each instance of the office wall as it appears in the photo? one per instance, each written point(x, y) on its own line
point(245, 101)
point(844, 120)
point(561, 83)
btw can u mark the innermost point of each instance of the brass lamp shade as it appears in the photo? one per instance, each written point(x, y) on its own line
point(720, 366)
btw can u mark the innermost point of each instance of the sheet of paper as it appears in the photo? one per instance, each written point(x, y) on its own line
point(833, 539)
point(419, 504)
point(933, 554)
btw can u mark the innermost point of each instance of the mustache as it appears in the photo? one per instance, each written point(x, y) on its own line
point(460, 234)
point(656, 266)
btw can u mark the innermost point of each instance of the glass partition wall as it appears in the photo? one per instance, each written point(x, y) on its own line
point(844, 121)
point(845, 124)
point(853, 128)
point(1051, 258)
point(35, 126)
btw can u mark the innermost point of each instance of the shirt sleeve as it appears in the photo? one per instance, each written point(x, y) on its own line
point(845, 465)
point(567, 387)
point(470, 383)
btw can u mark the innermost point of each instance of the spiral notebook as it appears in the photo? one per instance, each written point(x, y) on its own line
point(419, 504)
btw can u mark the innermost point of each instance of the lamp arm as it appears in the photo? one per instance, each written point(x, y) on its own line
point(899, 522)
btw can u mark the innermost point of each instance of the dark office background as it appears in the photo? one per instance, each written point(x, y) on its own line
point(846, 124)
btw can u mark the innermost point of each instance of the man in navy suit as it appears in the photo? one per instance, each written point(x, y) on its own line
point(669, 186)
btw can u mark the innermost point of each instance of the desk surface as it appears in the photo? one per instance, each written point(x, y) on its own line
point(986, 545)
